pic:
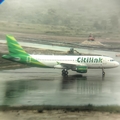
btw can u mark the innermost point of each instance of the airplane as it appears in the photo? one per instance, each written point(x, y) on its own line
point(80, 64)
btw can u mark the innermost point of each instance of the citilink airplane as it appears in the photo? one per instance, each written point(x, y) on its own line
point(79, 64)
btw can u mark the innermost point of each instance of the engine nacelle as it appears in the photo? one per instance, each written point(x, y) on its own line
point(81, 69)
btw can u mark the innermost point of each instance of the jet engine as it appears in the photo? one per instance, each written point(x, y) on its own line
point(80, 69)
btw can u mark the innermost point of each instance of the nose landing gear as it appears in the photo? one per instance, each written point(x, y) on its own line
point(103, 72)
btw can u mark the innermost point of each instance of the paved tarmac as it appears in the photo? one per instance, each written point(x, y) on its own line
point(37, 86)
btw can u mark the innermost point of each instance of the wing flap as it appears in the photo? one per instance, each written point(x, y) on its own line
point(70, 65)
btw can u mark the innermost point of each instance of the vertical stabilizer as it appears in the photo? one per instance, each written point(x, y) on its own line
point(13, 46)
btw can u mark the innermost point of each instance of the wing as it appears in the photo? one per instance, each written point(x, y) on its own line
point(68, 65)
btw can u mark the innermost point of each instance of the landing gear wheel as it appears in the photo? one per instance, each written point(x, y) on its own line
point(64, 72)
point(103, 72)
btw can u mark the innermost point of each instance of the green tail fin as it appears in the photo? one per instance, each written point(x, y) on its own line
point(13, 46)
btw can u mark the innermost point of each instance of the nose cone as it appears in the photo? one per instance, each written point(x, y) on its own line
point(117, 64)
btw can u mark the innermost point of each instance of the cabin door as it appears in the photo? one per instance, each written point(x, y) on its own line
point(104, 63)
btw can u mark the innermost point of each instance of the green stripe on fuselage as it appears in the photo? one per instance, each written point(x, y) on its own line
point(37, 63)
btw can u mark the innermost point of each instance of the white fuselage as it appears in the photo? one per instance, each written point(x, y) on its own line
point(92, 62)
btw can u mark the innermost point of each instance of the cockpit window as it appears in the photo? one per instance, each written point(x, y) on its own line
point(111, 60)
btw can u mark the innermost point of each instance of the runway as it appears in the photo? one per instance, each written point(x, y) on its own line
point(36, 86)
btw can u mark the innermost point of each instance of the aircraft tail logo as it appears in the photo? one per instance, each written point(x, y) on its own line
point(13, 46)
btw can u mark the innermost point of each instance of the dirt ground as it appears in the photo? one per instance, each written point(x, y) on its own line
point(57, 115)
point(28, 36)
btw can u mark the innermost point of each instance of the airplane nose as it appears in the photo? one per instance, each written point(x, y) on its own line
point(117, 64)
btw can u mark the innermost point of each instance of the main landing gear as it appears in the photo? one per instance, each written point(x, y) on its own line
point(103, 72)
point(64, 72)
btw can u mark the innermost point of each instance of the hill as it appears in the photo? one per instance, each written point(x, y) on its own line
point(76, 17)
